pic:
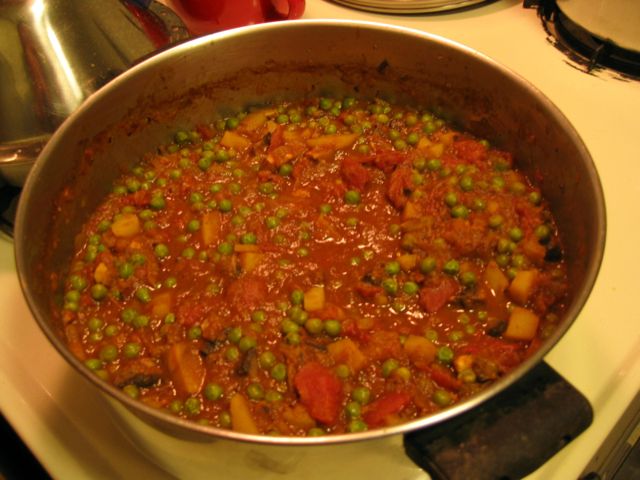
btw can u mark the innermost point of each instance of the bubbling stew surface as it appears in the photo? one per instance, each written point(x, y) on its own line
point(316, 267)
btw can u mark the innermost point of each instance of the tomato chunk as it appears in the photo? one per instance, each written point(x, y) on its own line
point(379, 413)
point(320, 391)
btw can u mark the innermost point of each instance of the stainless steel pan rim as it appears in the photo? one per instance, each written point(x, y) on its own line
point(166, 421)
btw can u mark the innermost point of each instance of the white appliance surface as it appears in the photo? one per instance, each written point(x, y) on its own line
point(69, 428)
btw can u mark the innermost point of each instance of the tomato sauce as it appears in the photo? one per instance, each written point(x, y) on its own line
point(326, 266)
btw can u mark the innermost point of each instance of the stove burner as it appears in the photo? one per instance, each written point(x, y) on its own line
point(9, 196)
point(582, 46)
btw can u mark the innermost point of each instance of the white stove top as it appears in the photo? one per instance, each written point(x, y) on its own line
point(64, 423)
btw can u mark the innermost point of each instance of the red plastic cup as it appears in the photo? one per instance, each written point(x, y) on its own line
point(206, 16)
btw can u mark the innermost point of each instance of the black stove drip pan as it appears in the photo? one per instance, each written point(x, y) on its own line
point(507, 437)
point(585, 48)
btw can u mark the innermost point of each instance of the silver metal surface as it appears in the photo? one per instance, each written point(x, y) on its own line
point(188, 84)
point(55, 53)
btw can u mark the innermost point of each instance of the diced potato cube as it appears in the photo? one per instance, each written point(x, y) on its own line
point(102, 274)
point(423, 143)
point(463, 362)
point(127, 225)
point(336, 141)
point(314, 299)
point(250, 260)
point(523, 324)
point(410, 210)
point(523, 285)
point(161, 304)
point(255, 120)
point(298, 417)
point(420, 350)
point(234, 140)
point(533, 250)
point(495, 279)
point(346, 351)
point(210, 227)
point(408, 261)
point(185, 367)
point(436, 150)
point(241, 417)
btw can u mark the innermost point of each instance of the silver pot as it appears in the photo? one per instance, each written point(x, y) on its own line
point(55, 53)
point(253, 65)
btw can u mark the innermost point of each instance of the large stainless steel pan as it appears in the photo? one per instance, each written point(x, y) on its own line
point(188, 83)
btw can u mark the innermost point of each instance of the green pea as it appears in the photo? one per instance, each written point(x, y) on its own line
point(157, 202)
point(314, 326)
point(441, 398)
point(111, 330)
point(266, 188)
point(403, 373)
point(293, 338)
point(176, 406)
point(289, 326)
point(410, 288)
point(108, 353)
point(271, 222)
point(452, 267)
point(468, 279)
point(459, 211)
point(502, 260)
point(413, 138)
point(143, 294)
point(279, 372)
point(255, 391)
point(128, 315)
point(93, 364)
point(225, 205)
point(535, 198)
point(225, 248)
point(169, 318)
point(267, 360)
point(131, 349)
point(434, 164)
point(248, 238)
point(99, 291)
point(247, 343)
point(352, 197)
point(445, 354)
point(466, 183)
point(390, 285)
point(131, 390)
point(332, 328)
point(342, 371)
point(315, 432)
point(140, 321)
point(232, 354)
point(138, 258)
point(194, 332)
point(224, 419)
point(362, 395)
point(77, 282)
point(495, 221)
point(272, 396)
point(72, 296)
point(427, 265)
point(213, 391)
point(518, 188)
point(516, 234)
point(451, 199)
point(479, 204)
point(542, 233)
point(234, 335)
point(192, 406)
point(357, 425)
point(103, 226)
point(353, 409)
point(456, 335)
point(389, 366)
point(258, 316)
point(431, 335)
point(392, 268)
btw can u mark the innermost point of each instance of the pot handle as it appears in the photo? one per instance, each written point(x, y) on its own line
point(508, 436)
